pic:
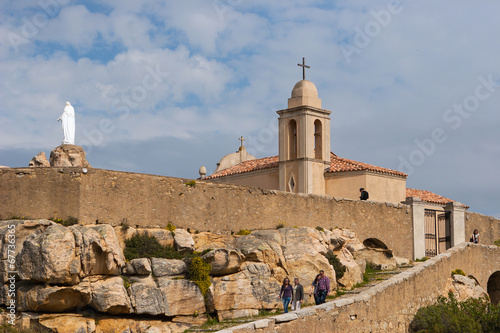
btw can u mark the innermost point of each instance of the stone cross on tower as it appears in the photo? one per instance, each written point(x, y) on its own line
point(241, 139)
point(304, 66)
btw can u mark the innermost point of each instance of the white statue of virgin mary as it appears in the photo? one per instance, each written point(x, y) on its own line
point(68, 124)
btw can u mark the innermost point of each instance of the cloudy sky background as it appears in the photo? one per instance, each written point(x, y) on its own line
point(164, 87)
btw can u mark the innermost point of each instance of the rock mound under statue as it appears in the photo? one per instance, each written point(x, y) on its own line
point(39, 160)
point(68, 156)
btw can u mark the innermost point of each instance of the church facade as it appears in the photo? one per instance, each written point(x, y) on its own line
point(305, 163)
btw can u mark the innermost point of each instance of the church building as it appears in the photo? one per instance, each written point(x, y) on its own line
point(306, 165)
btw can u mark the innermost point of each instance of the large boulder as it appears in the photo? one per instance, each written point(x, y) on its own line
point(141, 266)
point(261, 246)
point(253, 288)
point(39, 160)
point(208, 240)
point(67, 323)
point(22, 230)
point(109, 295)
point(223, 261)
point(99, 250)
point(353, 273)
point(68, 156)
point(183, 241)
point(168, 267)
point(463, 288)
point(145, 296)
point(47, 298)
point(181, 297)
point(50, 257)
point(378, 257)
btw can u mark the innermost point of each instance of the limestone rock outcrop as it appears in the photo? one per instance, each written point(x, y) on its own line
point(39, 160)
point(82, 268)
point(463, 288)
point(68, 156)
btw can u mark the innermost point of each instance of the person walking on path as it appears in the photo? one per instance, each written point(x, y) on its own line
point(298, 295)
point(323, 287)
point(364, 195)
point(286, 293)
point(314, 289)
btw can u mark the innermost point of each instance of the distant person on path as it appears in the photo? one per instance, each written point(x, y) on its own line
point(364, 195)
point(286, 293)
point(475, 236)
point(314, 289)
point(323, 287)
point(298, 295)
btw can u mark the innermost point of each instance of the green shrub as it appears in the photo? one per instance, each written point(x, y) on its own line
point(320, 228)
point(146, 246)
point(205, 251)
point(497, 242)
point(422, 259)
point(458, 272)
point(190, 183)
point(280, 225)
point(448, 315)
point(244, 232)
point(70, 221)
point(126, 281)
point(337, 265)
point(198, 272)
point(124, 224)
point(170, 227)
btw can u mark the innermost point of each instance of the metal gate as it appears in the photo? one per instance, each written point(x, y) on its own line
point(437, 232)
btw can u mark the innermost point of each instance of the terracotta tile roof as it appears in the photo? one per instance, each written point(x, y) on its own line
point(247, 166)
point(429, 196)
point(339, 164)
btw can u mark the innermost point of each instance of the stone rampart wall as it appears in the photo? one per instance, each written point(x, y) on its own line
point(153, 201)
point(391, 305)
point(488, 227)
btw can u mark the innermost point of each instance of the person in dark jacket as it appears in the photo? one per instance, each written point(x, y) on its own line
point(286, 293)
point(314, 289)
point(298, 295)
point(364, 194)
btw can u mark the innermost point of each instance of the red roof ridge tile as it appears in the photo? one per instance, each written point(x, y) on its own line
point(429, 196)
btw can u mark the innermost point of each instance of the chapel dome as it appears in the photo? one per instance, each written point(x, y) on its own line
point(304, 88)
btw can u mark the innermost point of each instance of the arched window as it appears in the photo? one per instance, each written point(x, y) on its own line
point(318, 139)
point(292, 140)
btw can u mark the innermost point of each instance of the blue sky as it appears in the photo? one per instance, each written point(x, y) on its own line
point(164, 87)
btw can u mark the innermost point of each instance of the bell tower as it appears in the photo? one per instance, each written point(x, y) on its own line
point(304, 140)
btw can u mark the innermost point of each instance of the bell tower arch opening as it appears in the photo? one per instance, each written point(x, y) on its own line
point(318, 139)
point(292, 140)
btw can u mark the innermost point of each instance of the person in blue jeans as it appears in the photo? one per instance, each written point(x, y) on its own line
point(323, 287)
point(286, 293)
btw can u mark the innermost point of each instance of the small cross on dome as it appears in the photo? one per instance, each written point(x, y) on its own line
point(304, 66)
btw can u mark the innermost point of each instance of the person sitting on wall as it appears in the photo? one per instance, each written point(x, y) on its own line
point(364, 194)
point(475, 236)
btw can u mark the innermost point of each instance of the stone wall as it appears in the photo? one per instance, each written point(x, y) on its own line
point(375, 310)
point(104, 196)
point(489, 227)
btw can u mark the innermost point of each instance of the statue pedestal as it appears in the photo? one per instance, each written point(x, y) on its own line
point(68, 156)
